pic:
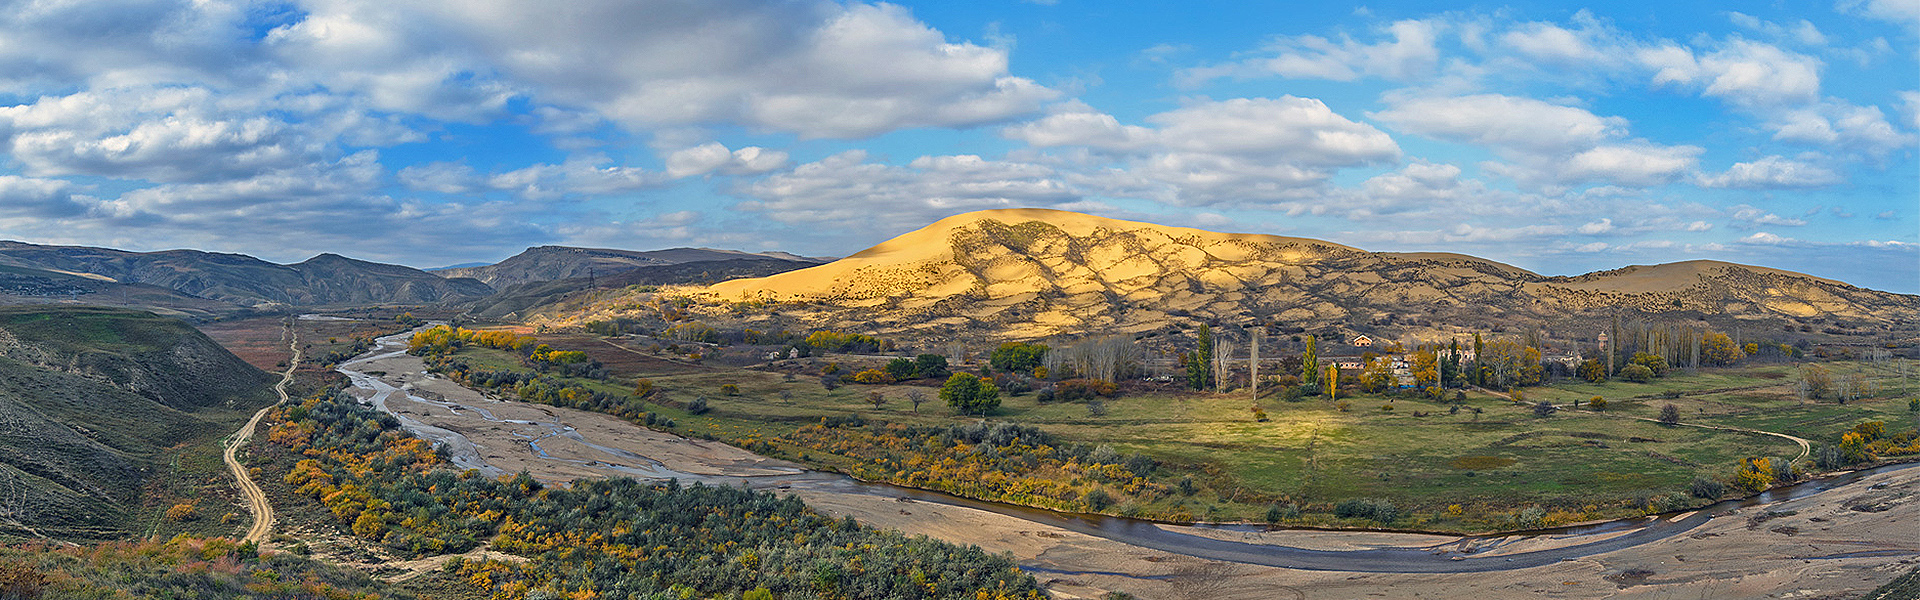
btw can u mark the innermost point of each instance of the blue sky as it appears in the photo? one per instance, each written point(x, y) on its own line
point(1562, 138)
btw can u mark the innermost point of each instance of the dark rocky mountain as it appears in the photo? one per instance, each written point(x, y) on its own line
point(21, 285)
point(94, 402)
point(549, 263)
point(334, 279)
point(245, 281)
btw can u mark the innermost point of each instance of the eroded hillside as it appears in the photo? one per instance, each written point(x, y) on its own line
point(92, 400)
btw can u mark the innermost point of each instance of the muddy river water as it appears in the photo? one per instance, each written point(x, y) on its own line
point(558, 445)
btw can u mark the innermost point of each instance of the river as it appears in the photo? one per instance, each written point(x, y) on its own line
point(558, 445)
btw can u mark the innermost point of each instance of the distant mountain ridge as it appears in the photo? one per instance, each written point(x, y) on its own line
point(550, 263)
point(1037, 273)
point(326, 279)
point(515, 301)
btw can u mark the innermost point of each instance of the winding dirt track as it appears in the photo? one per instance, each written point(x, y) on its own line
point(257, 500)
point(1806, 447)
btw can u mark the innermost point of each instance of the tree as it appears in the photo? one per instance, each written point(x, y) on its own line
point(1597, 403)
point(1017, 357)
point(1310, 363)
point(1377, 376)
point(968, 394)
point(1653, 362)
point(1426, 368)
point(1200, 363)
point(1817, 380)
point(900, 368)
point(1718, 349)
point(1670, 414)
point(642, 388)
point(1532, 371)
point(1333, 381)
point(1478, 375)
point(917, 397)
point(930, 366)
point(1756, 474)
point(1871, 430)
point(876, 399)
point(1592, 371)
point(1613, 343)
point(1853, 447)
point(1637, 373)
point(1222, 364)
point(1706, 489)
point(1111, 358)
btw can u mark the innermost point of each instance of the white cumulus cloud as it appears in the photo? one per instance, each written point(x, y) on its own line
point(1523, 124)
point(814, 68)
point(1411, 52)
point(714, 157)
point(1772, 172)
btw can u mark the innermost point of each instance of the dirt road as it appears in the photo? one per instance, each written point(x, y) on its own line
point(257, 500)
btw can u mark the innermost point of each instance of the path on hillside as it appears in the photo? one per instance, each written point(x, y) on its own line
point(257, 500)
point(661, 358)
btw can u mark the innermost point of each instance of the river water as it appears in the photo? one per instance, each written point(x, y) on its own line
point(1458, 555)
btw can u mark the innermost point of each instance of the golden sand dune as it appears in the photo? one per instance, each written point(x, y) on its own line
point(1016, 251)
point(1035, 272)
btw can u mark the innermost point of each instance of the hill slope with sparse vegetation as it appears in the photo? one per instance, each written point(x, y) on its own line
point(94, 402)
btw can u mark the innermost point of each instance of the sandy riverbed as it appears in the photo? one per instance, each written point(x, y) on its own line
point(1829, 547)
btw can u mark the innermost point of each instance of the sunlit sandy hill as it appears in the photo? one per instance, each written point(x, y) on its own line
point(1036, 273)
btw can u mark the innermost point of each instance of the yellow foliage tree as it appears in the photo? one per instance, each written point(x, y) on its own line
point(1718, 349)
point(1756, 474)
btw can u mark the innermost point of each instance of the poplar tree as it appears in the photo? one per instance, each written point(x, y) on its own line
point(1309, 364)
point(1613, 341)
point(1200, 367)
point(1206, 350)
point(1478, 376)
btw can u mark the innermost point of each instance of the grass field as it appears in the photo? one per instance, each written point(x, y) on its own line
point(1492, 462)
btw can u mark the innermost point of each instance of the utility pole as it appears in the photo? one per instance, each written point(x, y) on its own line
point(591, 284)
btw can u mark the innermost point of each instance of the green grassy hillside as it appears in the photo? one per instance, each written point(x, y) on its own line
point(98, 409)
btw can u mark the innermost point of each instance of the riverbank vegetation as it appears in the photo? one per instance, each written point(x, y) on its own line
point(612, 538)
